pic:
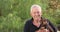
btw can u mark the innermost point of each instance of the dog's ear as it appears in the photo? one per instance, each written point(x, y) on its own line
point(42, 28)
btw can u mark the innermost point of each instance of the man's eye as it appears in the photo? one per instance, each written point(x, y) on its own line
point(37, 12)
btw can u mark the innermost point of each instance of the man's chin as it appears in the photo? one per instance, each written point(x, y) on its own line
point(37, 18)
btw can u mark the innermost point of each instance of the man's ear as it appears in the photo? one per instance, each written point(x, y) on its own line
point(41, 13)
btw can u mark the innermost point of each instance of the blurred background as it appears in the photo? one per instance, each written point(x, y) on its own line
point(14, 13)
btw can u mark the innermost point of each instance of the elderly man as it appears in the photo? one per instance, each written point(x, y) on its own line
point(37, 23)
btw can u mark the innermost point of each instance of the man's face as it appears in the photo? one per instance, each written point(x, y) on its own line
point(36, 13)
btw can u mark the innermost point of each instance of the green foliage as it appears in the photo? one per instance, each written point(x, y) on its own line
point(11, 23)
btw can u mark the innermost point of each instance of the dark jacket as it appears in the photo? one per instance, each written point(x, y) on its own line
point(29, 27)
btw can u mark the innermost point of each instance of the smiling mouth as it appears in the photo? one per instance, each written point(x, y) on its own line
point(37, 16)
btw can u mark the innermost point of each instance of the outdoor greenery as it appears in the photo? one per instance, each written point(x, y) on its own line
point(14, 13)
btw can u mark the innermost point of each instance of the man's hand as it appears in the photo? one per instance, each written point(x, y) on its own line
point(44, 30)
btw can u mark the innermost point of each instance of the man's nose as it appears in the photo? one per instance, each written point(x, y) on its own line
point(37, 14)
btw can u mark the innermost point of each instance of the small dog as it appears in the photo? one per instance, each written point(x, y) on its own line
point(45, 26)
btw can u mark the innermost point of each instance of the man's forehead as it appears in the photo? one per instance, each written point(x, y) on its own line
point(35, 7)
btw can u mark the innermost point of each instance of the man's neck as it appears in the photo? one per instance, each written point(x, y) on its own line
point(37, 21)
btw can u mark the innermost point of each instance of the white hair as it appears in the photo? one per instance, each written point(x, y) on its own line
point(35, 6)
